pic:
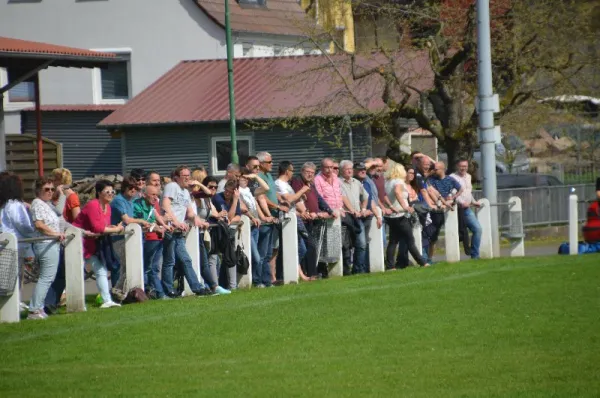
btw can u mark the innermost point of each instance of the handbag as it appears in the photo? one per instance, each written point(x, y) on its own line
point(243, 264)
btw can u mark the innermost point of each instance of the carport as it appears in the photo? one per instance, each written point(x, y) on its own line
point(24, 60)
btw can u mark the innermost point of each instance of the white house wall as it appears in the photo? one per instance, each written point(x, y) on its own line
point(160, 33)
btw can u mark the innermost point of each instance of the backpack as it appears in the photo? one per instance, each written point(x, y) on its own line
point(135, 295)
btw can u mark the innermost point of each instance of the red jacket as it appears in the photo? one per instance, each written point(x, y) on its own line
point(591, 229)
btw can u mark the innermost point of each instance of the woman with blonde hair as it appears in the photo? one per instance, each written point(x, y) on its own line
point(400, 220)
point(66, 200)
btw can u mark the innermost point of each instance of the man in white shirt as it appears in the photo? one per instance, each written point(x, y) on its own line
point(466, 216)
point(233, 173)
point(179, 207)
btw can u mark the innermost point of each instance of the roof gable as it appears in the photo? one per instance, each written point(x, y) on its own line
point(279, 17)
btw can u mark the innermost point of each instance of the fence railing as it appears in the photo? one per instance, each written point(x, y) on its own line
point(134, 274)
point(543, 205)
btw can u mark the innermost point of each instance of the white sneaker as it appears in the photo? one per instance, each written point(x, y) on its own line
point(110, 304)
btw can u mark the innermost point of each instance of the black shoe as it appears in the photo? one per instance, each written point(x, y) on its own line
point(173, 295)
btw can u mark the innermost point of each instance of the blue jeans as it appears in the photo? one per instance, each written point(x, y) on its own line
point(262, 273)
point(475, 228)
point(359, 264)
point(152, 256)
point(59, 284)
point(48, 255)
point(205, 272)
point(254, 234)
point(174, 251)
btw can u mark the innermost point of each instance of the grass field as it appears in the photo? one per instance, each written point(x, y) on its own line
point(527, 327)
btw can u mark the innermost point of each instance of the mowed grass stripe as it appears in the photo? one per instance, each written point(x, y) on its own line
point(524, 327)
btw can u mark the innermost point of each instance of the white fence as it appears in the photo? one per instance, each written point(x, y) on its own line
point(74, 262)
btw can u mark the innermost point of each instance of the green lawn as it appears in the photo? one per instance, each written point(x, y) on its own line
point(527, 327)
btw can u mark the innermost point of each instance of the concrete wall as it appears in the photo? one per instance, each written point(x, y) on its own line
point(160, 33)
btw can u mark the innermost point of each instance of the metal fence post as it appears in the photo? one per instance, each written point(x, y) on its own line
point(192, 245)
point(375, 245)
point(9, 305)
point(573, 225)
point(134, 256)
point(451, 235)
point(485, 221)
point(74, 265)
point(244, 239)
point(289, 245)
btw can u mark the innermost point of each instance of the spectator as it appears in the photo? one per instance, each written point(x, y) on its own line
point(15, 219)
point(400, 221)
point(232, 173)
point(95, 217)
point(66, 201)
point(253, 165)
point(336, 169)
point(199, 174)
point(328, 185)
point(466, 216)
point(315, 214)
point(305, 244)
point(355, 200)
point(122, 212)
point(263, 275)
point(375, 178)
point(177, 204)
point(446, 188)
point(139, 175)
point(47, 252)
point(145, 208)
point(255, 214)
point(206, 210)
point(153, 179)
point(228, 201)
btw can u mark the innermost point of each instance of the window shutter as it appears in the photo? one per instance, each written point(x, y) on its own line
point(22, 92)
point(115, 81)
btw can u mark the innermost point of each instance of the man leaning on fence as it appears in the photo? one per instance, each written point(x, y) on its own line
point(178, 206)
point(466, 217)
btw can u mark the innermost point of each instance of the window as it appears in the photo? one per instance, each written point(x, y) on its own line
point(246, 49)
point(112, 85)
point(253, 3)
point(221, 152)
point(22, 92)
point(20, 96)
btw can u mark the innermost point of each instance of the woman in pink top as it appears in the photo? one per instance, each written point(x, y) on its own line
point(95, 218)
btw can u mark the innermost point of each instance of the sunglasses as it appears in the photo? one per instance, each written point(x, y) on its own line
point(108, 192)
point(269, 162)
point(212, 187)
point(140, 179)
point(255, 166)
point(336, 168)
point(49, 189)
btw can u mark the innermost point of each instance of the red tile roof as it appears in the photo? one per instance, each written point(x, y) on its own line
point(77, 108)
point(265, 88)
point(279, 17)
point(10, 45)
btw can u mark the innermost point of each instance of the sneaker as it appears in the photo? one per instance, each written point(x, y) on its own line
point(204, 292)
point(219, 290)
point(260, 286)
point(34, 315)
point(110, 304)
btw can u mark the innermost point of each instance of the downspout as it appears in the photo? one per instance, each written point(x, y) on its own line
point(38, 125)
point(347, 122)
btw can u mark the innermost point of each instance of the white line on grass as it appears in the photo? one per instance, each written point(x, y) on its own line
point(266, 302)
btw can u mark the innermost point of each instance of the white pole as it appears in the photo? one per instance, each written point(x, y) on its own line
point(417, 234)
point(192, 245)
point(134, 257)
point(9, 305)
point(375, 244)
point(573, 225)
point(485, 220)
point(289, 245)
point(451, 236)
point(517, 242)
point(245, 240)
point(338, 268)
point(74, 265)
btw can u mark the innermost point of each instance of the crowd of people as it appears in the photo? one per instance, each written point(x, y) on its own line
point(375, 193)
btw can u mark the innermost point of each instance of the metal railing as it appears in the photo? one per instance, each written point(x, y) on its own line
point(543, 205)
